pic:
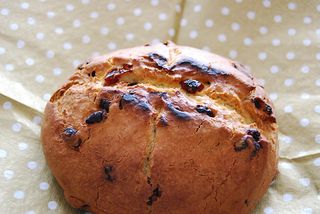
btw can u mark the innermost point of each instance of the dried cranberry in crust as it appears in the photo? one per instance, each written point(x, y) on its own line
point(105, 104)
point(156, 193)
point(191, 86)
point(254, 133)
point(70, 131)
point(268, 109)
point(204, 110)
point(95, 117)
point(244, 144)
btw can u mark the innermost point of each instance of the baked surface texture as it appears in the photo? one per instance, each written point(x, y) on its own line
point(161, 129)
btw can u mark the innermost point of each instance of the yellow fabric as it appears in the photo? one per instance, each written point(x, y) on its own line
point(42, 41)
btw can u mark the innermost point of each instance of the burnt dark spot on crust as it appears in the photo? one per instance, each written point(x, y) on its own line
point(234, 65)
point(268, 109)
point(156, 193)
point(254, 133)
point(105, 104)
point(159, 60)
point(149, 181)
point(114, 75)
point(191, 86)
point(132, 83)
point(246, 202)
point(200, 67)
point(81, 66)
point(204, 110)
point(95, 117)
point(166, 43)
point(108, 171)
point(133, 99)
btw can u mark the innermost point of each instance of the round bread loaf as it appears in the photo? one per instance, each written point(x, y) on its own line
point(161, 129)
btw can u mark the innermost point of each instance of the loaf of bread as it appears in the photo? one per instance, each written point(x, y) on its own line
point(161, 129)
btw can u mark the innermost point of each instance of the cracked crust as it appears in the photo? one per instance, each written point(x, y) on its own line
point(155, 129)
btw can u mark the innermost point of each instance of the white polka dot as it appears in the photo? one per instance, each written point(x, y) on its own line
point(262, 56)
point(147, 26)
point(268, 210)
point(59, 30)
point(104, 30)
point(9, 67)
point(32, 165)
point(155, 41)
point(305, 69)
point(292, 6)
point(31, 21)
point(263, 30)
point(222, 38)
point(69, 7)
point(85, 39)
point(154, 2)
point(266, 3)
point(235, 26)
point(111, 6)
point(287, 197)
point(18, 194)
point(50, 54)
point(137, 11)
point(51, 14)
point(76, 23)
point(318, 31)
point(276, 42)
point(307, 210)
point(317, 139)
point(304, 122)
point(3, 153)
point(197, 8)
point(44, 186)
point(30, 212)
point(273, 96)
point(4, 11)
point(52, 205)
point(16, 127)
point(129, 36)
point(24, 5)
point(56, 71)
point(37, 120)
point(307, 20)
point(8, 174)
point(317, 82)
point(261, 82)
point(112, 45)
point(277, 18)
point(40, 36)
point(2, 50)
point(39, 78)
point(67, 45)
point(286, 139)
point(290, 55)
point(251, 15)
point(14, 26)
point(209, 23)
point(29, 61)
point(120, 21)
point(233, 54)
point(247, 41)
point(171, 32)
point(306, 42)
point(94, 15)
point(288, 109)
point(305, 96)
point(316, 162)
point(225, 11)
point(75, 63)
point(288, 82)
point(285, 165)
point(318, 56)
point(304, 181)
point(183, 22)
point(193, 34)
point(163, 16)
point(46, 97)
point(7, 105)
point(317, 109)
point(23, 146)
point(292, 31)
point(20, 43)
point(178, 8)
point(85, 1)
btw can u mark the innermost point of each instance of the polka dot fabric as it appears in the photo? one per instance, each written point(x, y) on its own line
point(42, 41)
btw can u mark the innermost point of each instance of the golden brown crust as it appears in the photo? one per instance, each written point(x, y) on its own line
point(161, 129)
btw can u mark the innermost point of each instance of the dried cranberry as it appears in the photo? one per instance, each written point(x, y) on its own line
point(191, 86)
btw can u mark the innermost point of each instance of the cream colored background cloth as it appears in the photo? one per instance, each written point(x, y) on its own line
point(42, 41)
